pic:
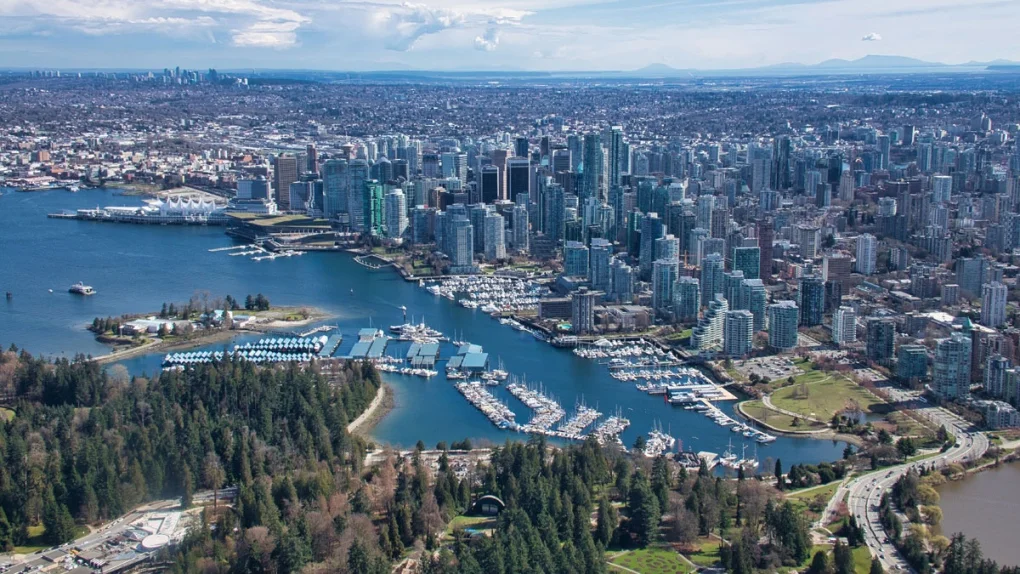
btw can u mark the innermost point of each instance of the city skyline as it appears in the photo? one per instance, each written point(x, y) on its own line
point(513, 35)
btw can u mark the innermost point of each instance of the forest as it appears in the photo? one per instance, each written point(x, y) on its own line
point(84, 447)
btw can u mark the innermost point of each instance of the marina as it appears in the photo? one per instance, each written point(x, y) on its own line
point(490, 294)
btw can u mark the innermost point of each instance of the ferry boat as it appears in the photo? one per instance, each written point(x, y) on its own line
point(80, 288)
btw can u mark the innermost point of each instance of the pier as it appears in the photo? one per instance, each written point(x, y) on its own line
point(372, 261)
point(320, 329)
point(547, 412)
point(495, 411)
point(141, 216)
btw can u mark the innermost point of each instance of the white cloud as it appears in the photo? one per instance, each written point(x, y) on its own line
point(402, 26)
point(267, 35)
point(872, 37)
point(253, 23)
point(488, 41)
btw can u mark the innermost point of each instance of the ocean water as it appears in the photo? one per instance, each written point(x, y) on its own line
point(136, 268)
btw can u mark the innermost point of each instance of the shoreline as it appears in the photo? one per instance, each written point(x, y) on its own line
point(159, 345)
point(380, 406)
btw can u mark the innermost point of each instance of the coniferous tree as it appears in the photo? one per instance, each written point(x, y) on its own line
point(842, 559)
point(819, 564)
point(643, 510)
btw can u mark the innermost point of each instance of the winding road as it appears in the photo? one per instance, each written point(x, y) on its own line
point(864, 493)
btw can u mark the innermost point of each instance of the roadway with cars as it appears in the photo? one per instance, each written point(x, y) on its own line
point(865, 492)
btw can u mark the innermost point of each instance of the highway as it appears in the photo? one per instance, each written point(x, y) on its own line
point(865, 492)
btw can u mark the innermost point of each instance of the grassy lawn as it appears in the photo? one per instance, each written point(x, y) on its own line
point(808, 377)
point(685, 334)
point(803, 498)
point(757, 410)
point(707, 554)
point(826, 397)
point(906, 426)
point(6, 414)
point(828, 490)
point(862, 560)
point(35, 540)
point(476, 523)
point(652, 561)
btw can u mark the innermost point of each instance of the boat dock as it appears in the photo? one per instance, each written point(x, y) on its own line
point(268, 350)
point(320, 329)
point(546, 411)
point(611, 429)
point(230, 248)
point(722, 419)
point(423, 355)
point(371, 350)
point(482, 399)
point(583, 417)
point(331, 345)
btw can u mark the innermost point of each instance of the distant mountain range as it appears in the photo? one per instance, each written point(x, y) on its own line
point(872, 64)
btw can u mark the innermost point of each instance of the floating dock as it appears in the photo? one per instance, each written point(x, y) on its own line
point(268, 350)
point(371, 345)
point(331, 345)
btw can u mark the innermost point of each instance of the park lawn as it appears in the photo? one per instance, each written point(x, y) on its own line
point(757, 411)
point(707, 554)
point(6, 414)
point(907, 426)
point(809, 377)
point(652, 561)
point(472, 522)
point(810, 493)
point(685, 334)
point(36, 542)
point(862, 560)
point(801, 499)
point(826, 398)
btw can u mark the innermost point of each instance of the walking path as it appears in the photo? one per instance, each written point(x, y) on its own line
point(364, 417)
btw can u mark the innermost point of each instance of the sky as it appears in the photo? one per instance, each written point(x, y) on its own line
point(497, 34)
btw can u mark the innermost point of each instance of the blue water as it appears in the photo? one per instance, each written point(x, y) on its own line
point(136, 268)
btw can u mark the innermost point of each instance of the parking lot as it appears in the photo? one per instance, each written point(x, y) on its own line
point(773, 368)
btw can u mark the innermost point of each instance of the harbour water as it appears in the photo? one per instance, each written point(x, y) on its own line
point(136, 268)
point(985, 506)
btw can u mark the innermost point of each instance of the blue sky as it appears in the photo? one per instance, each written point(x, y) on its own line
point(497, 34)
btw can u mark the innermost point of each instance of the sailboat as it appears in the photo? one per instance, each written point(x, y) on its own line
point(728, 458)
point(749, 463)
